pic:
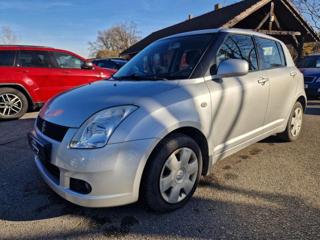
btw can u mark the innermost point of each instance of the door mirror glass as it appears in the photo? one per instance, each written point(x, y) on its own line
point(87, 65)
point(232, 68)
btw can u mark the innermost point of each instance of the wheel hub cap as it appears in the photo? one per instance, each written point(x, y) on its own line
point(296, 122)
point(178, 175)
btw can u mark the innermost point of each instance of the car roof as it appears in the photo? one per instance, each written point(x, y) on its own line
point(26, 47)
point(112, 59)
point(36, 48)
point(224, 30)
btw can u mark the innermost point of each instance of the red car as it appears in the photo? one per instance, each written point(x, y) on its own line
point(30, 75)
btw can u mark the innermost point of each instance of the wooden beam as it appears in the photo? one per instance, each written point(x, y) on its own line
point(246, 13)
point(277, 22)
point(295, 15)
point(295, 39)
point(263, 21)
point(280, 32)
point(300, 49)
point(271, 16)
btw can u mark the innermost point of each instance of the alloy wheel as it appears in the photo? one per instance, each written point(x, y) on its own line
point(10, 104)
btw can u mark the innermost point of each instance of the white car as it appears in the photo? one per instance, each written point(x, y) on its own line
point(166, 117)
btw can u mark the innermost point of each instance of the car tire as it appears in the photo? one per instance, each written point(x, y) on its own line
point(13, 104)
point(172, 173)
point(294, 125)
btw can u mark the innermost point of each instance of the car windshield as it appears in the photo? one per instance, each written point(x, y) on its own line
point(171, 58)
point(310, 62)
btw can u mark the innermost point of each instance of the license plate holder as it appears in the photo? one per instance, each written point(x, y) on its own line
point(41, 148)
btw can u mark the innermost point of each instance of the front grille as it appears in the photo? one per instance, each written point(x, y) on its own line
point(309, 79)
point(51, 130)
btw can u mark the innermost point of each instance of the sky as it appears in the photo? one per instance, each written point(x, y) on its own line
point(71, 24)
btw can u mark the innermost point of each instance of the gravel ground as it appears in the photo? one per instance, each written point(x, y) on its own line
point(267, 191)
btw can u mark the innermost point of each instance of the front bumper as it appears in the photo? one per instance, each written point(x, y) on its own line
point(113, 172)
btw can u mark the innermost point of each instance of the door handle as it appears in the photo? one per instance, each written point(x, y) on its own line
point(293, 73)
point(263, 80)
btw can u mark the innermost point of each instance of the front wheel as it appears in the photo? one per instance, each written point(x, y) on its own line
point(294, 125)
point(172, 174)
point(13, 104)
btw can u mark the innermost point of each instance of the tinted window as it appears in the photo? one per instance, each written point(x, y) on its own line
point(269, 54)
point(34, 59)
point(67, 61)
point(310, 62)
point(105, 64)
point(171, 58)
point(238, 47)
point(7, 58)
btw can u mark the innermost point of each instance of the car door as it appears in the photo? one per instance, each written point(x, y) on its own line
point(7, 68)
point(36, 68)
point(282, 84)
point(69, 73)
point(239, 104)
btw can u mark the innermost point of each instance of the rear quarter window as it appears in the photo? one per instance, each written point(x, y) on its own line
point(7, 58)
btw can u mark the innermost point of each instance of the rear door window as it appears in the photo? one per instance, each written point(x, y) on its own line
point(37, 59)
point(239, 47)
point(65, 60)
point(7, 58)
point(269, 53)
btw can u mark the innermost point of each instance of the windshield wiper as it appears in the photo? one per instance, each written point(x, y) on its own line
point(131, 76)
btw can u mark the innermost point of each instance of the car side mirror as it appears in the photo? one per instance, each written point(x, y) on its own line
point(232, 68)
point(87, 65)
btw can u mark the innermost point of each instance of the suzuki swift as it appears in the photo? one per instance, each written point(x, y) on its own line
point(166, 117)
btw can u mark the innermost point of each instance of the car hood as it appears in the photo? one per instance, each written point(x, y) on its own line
point(72, 108)
point(310, 71)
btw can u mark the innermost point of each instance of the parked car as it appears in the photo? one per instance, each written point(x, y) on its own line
point(30, 75)
point(110, 63)
point(310, 67)
point(166, 117)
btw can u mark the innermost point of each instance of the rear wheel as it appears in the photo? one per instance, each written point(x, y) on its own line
point(294, 125)
point(13, 104)
point(172, 174)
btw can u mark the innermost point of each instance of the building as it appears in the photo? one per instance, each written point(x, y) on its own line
point(278, 18)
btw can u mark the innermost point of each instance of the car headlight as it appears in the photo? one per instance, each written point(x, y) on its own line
point(318, 80)
point(96, 131)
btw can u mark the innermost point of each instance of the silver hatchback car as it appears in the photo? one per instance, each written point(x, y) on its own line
point(166, 117)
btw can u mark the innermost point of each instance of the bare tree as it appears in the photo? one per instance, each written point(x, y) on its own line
point(111, 42)
point(311, 10)
point(7, 36)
